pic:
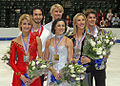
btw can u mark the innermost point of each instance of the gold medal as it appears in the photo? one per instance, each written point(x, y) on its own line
point(26, 58)
point(56, 56)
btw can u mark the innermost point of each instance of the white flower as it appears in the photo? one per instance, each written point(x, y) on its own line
point(72, 71)
point(107, 41)
point(99, 52)
point(43, 66)
point(73, 75)
point(100, 56)
point(70, 66)
point(33, 68)
point(77, 79)
point(106, 36)
point(104, 52)
point(111, 43)
point(37, 62)
point(99, 42)
point(92, 43)
point(33, 63)
point(100, 49)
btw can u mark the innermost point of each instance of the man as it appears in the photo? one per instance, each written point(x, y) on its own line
point(39, 30)
point(56, 12)
point(93, 29)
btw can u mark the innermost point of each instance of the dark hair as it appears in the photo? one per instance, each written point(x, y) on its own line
point(54, 25)
point(36, 7)
point(89, 11)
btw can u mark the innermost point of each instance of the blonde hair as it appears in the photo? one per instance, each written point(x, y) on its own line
point(56, 6)
point(75, 20)
point(22, 17)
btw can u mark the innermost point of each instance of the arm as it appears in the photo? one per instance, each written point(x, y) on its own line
point(46, 55)
point(47, 58)
point(13, 65)
point(39, 47)
point(12, 59)
point(69, 45)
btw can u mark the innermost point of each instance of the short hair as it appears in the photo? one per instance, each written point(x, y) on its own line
point(56, 6)
point(22, 17)
point(54, 25)
point(36, 7)
point(89, 11)
point(75, 19)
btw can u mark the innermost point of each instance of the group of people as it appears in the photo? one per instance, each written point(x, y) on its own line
point(50, 42)
point(108, 20)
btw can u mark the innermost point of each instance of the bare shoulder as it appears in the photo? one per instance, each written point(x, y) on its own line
point(68, 41)
point(17, 39)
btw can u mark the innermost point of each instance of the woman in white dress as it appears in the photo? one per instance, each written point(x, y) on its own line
point(59, 49)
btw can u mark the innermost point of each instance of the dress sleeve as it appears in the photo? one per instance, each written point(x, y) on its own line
point(12, 59)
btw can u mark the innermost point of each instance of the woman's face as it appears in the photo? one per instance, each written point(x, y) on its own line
point(91, 19)
point(26, 26)
point(80, 22)
point(60, 28)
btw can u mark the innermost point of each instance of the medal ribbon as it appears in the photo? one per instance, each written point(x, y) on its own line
point(60, 41)
point(23, 42)
point(39, 30)
point(94, 31)
point(79, 42)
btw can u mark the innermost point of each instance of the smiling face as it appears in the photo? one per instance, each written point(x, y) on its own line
point(60, 28)
point(37, 16)
point(25, 26)
point(80, 22)
point(91, 18)
point(56, 13)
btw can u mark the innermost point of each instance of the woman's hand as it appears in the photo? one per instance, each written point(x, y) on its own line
point(34, 79)
point(56, 75)
point(24, 79)
point(85, 60)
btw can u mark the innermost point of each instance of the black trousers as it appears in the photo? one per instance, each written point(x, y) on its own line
point(42, 80)
point(99, 76)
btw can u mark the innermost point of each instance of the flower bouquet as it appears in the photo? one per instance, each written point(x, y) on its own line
point(99, 47)
point(73, 73)
point(38, 67)
point(6, 57)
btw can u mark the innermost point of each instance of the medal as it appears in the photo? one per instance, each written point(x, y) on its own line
point(56, 56)
point(26, 56)
point(77, 51)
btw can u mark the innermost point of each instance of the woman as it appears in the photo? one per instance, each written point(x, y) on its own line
point(79, 24)
point(26, 47)
point(59, 49)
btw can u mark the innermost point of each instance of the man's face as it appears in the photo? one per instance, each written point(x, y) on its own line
point(37, 16)
point(56, 14)
point(91, 19)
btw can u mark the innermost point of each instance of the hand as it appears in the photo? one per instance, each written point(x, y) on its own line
point(85, 60)
point(56, 75)
point(24, 79)
point(34, 79)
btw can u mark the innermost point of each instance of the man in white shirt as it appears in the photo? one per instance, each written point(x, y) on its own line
point(56, 12)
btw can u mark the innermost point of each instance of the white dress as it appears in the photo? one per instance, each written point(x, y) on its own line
point(63, 54)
